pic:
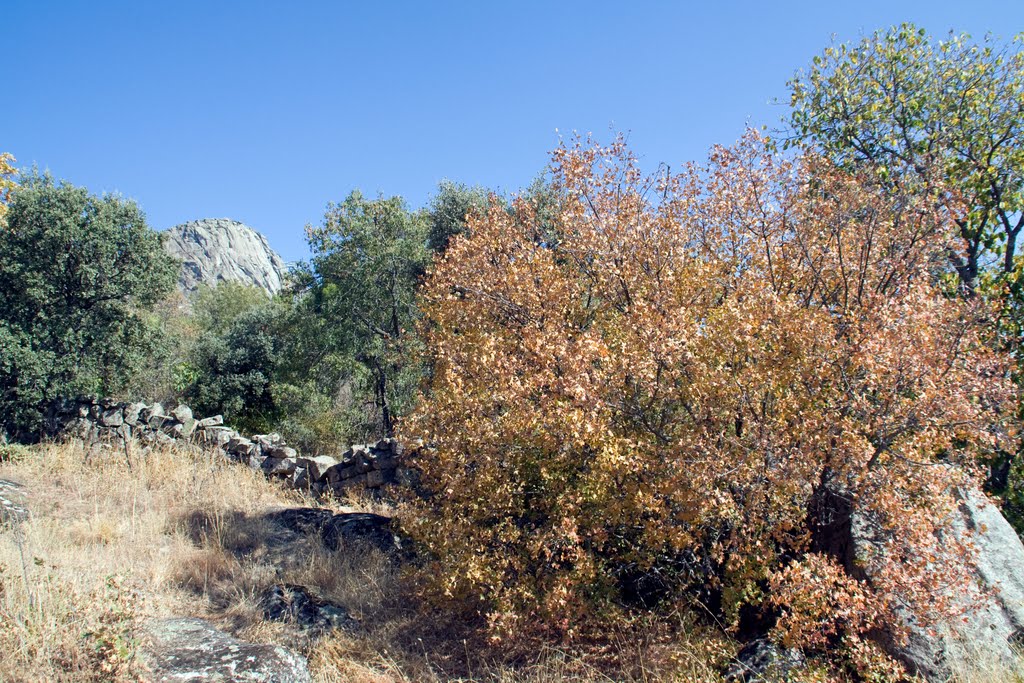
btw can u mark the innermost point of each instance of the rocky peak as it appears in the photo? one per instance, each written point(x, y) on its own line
point(214, 250)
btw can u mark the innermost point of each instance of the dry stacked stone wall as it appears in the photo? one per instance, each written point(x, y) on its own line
point(370, 466)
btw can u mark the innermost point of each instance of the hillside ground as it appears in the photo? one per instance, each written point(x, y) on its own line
point(184, 533)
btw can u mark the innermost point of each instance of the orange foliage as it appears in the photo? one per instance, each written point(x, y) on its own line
point(682, 383)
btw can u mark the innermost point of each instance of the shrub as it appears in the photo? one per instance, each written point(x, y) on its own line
point(670, 402)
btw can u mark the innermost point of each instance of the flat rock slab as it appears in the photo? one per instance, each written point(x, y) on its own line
point(185, 649)
point(12, 494)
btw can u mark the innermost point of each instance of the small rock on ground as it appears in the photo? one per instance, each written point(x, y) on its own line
point(297, 604)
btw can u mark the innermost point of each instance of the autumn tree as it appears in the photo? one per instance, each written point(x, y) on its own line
point(683, 398)
point(7, 182)
point(931, 114)
point(78, 273)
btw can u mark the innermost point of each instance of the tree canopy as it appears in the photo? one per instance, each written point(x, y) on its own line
point(368, 258)
point(942, 113)
point(7, 182)
point(77, 271)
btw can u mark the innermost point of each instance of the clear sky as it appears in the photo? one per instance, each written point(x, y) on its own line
point(265, 111)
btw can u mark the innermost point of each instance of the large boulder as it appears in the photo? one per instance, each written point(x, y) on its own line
point(989, 628)
point(178, 650)
point(215, 250)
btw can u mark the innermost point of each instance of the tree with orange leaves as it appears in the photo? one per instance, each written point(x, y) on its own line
point(682, 397)
point(7, 183)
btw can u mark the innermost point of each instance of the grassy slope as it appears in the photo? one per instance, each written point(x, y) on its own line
point(183, 534)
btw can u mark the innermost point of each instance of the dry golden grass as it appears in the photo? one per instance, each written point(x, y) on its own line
point(185, 533)
point(94, 523)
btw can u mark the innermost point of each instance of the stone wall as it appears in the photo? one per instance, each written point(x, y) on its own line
point(370, 466)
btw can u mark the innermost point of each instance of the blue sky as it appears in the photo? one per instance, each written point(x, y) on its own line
point(265, 111)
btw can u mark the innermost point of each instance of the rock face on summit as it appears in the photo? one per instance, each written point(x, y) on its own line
point(215, 250)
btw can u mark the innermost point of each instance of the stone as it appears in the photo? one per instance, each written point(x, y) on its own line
point(300, 478)
point(268, 440)
point(112, 417)
point(218, 436)
point(374, 479)
point(353, 481)
point(297, 604)
point(182, 413)
point(387, 463)
point(239, 445)
point(214, 250)
point(339, 473)
point(318, 466)
point(132, 412)
point(989, 628)
point(188, 428)
point(353, 527)
point(339, 529)
point(280, 452)
point(12, 510)
point(155, 409)
point(302, 520)
point(159, 421)
point(214, 421)
point(184, 649)
point(279, 466)
point(760, 661)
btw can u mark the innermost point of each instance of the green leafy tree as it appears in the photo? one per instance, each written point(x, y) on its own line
point(234, 371)
point(77, 275)
point(368, 258)
point(216, 308)
point(449, 208)
point(946, 113)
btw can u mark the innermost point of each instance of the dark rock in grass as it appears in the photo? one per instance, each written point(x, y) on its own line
point(354, 527)
point(338, 530)
point(762, 662)
point(297, 604)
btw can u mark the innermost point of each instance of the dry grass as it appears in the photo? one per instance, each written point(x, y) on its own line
point(99, 552)
point(185, 533)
